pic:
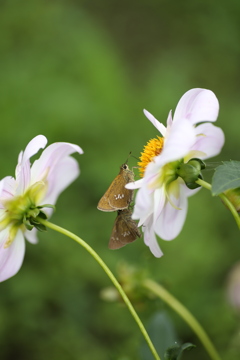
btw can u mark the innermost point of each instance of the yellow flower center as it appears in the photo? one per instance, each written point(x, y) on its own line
point(153, 148)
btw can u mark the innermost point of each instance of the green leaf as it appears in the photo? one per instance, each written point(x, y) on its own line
point(175, 352)
point(162, 333)
point(226, 176)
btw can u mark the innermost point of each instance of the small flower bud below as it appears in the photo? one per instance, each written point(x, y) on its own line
point(190, 172)
point(233, 196)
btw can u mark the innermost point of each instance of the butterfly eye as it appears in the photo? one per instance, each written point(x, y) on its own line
point(125, 166)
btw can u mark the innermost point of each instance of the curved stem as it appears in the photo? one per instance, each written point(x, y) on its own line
point(110, 275)
point(204, 184)
point(224, 199)
point(185, 314)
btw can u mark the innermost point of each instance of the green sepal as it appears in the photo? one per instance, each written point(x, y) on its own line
point(201, 163)
point(175, 352)
point(191, 172)
point(193, 185)
point(27, 223)
point(33, 212)
point(38, 225)
point(42, 215)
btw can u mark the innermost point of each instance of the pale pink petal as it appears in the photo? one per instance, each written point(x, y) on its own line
point(50, 159)
point(143, 205)
point(148, 197)
point(11, 258)
point(190, 192)
point(134, 185)
point(65, 172)
point(159, 201)
point(31, 236)
point(22, 172)
point(210, 139)
point(8, 187)
point(161, 128)
point(169, 119)
point(178, 144)
point(170, 222)
point(197, 105)
point(1, 187)
point(150, 238)
point(37, 143)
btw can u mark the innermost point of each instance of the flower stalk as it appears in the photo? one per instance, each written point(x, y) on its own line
point(163, 294)
point(81, 242)
point(224, 199)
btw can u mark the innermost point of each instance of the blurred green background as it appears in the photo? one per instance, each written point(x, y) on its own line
point(82, 71)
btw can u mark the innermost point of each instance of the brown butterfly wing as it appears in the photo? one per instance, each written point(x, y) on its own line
point(105, 202)
point(124, 231)
point(117, 197)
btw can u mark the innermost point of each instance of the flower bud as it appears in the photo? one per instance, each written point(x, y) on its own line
point(233, 196)
point(190, 172)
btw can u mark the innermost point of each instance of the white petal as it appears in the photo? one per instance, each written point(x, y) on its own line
point(37, 143)
point(150, 238)
point(169, 119)
point(23, 167)
point(7, 189)
point(210, 139)
point(178, 144)
point(2, 186)
point(143, 205)
point(134, 185)
point(50, 159)
point(170, 222)
point(65, 172)
point(159, 201)
point(161, 128)
point(197, 105)
point(31, 236)
point(190, 192)
point(11, 258)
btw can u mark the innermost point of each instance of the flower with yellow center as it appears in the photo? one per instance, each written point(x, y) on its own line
point(161, 202)
point(152, 149)
point(31, 195)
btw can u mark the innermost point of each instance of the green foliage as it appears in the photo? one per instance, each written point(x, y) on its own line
point(175, 352)
point(226, 176)
point(162, 333)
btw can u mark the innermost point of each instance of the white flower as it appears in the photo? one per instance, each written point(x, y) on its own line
point(161, 202)
point(23, 197)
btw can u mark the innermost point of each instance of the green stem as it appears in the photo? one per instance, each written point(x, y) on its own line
point(110, 275)
point(185, 314)
point(204, 184)
point(224, 199)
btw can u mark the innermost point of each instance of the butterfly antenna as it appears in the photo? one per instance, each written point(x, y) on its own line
point(128, 157)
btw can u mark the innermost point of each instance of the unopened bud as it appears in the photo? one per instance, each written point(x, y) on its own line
point(233, 196)
point(191, 172)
